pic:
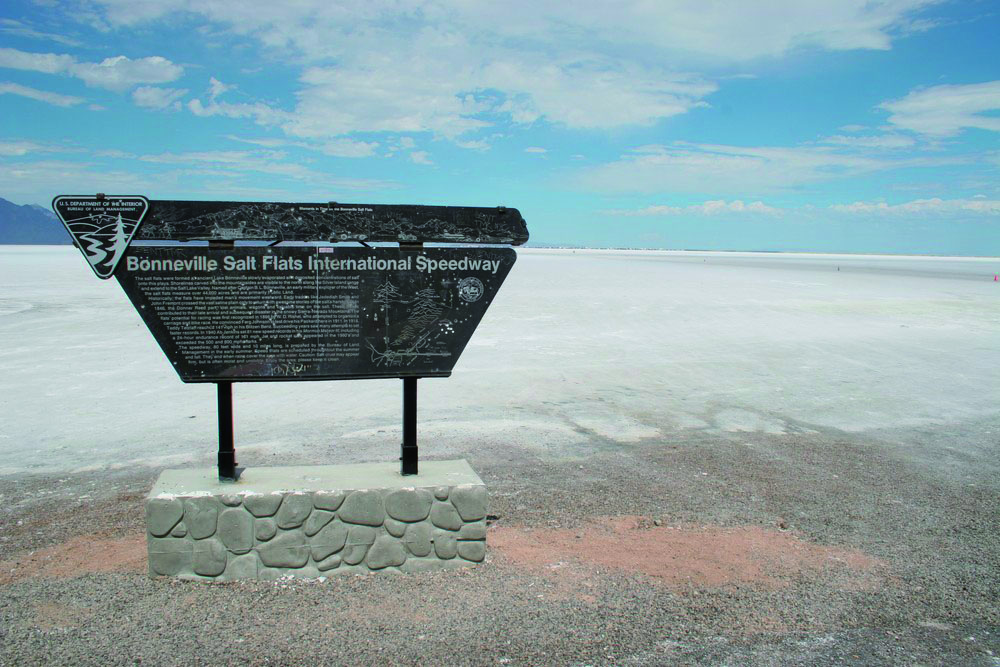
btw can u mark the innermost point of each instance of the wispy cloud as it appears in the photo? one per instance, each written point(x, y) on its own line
point(40, 95)
point(118, 73)
point(20, 148)
point(274, 163)
point(978, 205)
point(460, 68)
point(152, 97)
point(712, 207)
point(722, 169)
point(342, 147)
point(923, 206)
point(944, 111)
point(21, 29)
point(877, 141)
point(259, 112)
point(421, 157)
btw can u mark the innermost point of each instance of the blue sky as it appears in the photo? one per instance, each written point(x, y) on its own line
point(843, 126)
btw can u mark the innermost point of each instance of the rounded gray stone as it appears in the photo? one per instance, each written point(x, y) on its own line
point(231, 500)
point(329, 540)
point(162, 514)
point(262, 504)
point(329, 563)
point(395, 528)
point(444, 515)
point(169, 556)
point(317, 520)
point(236, 530)
point(445, 544)
point(294, 510)
point(474, 550)
point(441, 493)
point(180, 530)
point(243, 567)
point(386, 552)
point(359, 539)
point(209, 558)
point(418, 538)
point(364, 508)
point(286, 550)
point(328, 500)
point(200, 516)
point(409, 504)
point(265, 529)
point(470, 501)
point(472, 531)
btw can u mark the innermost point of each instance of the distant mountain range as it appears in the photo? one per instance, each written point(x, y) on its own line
point(30, 225)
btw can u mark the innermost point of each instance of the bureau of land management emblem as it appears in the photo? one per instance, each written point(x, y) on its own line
point(102, 226)
point(470, 289)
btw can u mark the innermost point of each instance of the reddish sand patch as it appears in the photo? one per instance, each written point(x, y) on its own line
point(683, 556)
point(78, 556)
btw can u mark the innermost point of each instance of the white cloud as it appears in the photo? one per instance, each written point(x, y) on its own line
point(158, 98)
point(219, 163)
point(712, 207)
point(35, 181)
point(945, 110)
point(941, 208)
point(348, 148)
point(536, 149)
point(708, 168)
point(12, 27)
point(49, 63)
point(118, 73)
point(342, 147)
point(22, 148)
point(923, 206)
point(216, 88)
point(116, 154)
point(880, 141)
point(474, 144)
point(40, 95)
point(420, 157)
point(718, 29)
point(457, 67)
point(261, 113)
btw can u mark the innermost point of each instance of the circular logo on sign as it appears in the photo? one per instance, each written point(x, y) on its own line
point(470, 289)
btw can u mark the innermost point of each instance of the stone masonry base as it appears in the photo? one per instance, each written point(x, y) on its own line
point(312, 521)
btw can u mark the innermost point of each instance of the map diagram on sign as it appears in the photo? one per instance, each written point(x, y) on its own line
point(412, 327)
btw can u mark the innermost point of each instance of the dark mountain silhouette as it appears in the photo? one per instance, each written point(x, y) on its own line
point(30, 225)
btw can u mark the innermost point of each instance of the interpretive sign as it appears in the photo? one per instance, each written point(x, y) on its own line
point(312, 313)
point(228, 313)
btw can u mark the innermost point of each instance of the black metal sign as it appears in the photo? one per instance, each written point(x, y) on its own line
point(312, 313)
point(225, 313)
point(101, 227)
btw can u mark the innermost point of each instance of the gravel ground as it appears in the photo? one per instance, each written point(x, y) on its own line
point(927, 517)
